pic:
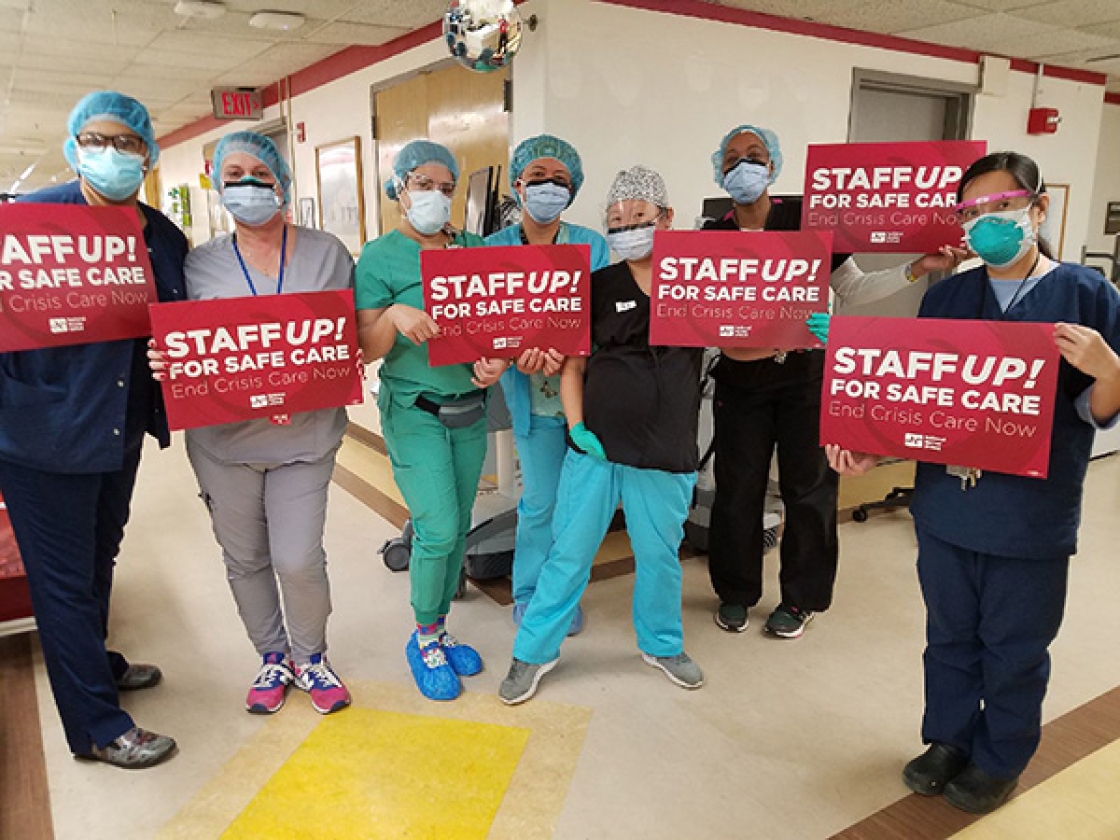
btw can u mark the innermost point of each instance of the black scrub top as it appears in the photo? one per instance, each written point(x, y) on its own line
point(642, 402)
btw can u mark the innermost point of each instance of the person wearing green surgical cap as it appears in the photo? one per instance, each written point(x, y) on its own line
point(545, 174)
point(265, 481)
point(433, 418)
point(767, 400)
point(72, 426)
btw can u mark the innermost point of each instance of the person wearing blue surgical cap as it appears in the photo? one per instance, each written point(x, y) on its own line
point(264, 481)
point(770, 399)
point(433, 418)
point(72, 424)
point(545, 173)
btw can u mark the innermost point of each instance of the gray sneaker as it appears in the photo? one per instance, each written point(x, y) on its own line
point(134, 750)
point(521, 682)
point(680, 669)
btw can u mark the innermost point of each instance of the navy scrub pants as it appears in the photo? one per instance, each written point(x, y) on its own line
point(69, 529)
point(990, 623)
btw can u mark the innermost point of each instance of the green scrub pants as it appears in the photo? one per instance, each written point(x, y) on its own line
point(437, 470)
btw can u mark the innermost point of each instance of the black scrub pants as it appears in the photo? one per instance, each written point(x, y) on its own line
point(761, 406)
point(69, 528)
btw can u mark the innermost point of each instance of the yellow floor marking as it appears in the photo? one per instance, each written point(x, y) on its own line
point(550, 737)
point(385, 775)
point(1078, 802)
point(370, 465)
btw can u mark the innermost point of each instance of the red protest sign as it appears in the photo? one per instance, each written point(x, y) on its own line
point(886, 197)
point(72, 274)
point(738, 288)
point(497, 302)
point(966, 393)
point(250, 357)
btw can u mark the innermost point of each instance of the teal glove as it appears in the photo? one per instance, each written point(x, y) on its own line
point(818, 325)
point(587, 441)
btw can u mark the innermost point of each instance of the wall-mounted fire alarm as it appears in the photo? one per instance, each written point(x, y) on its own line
point(1043, 120)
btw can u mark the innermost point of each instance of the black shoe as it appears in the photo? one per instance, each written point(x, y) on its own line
point(928, 774)
point(734, 618)
point(975, 791)
point(134, 750)
point(138, 677)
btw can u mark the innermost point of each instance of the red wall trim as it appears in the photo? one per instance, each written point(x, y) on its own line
point(1112, 98)
point(759, 20)
point(331, 68)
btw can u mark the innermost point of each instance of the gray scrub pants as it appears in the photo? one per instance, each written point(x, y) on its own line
point(268, 519)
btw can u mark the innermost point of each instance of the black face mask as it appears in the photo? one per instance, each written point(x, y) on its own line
point(249, 181)
point(555, 181)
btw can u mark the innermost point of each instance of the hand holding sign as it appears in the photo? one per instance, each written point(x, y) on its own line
point(886, 197)
point(414, 324)
point(974, 393)
point(499, 302)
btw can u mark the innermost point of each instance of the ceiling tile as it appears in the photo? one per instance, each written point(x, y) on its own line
point(1002, 5)
point(411, 15)
point(1073, 13)
point(325, 9)
point(347, 34)
point(93, 23)
point(233, 50)
point(1004, 34)
point(891, 16)
point(236, 25)
point(1108, 30)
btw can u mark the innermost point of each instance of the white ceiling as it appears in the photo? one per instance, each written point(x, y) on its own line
point(52, 52)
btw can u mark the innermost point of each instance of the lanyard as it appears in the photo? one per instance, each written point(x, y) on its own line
point(1014, 298)
point(245, 271)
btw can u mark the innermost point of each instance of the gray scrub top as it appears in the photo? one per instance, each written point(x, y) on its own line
point(319, 262)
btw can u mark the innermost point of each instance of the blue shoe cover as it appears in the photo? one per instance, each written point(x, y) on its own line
point(434, 676)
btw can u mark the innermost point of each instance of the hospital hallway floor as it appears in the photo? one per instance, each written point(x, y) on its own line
point(787, 740)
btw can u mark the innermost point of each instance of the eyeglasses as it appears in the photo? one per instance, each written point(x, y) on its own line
point(974, 208)
point(129, 143)
point(422, 183)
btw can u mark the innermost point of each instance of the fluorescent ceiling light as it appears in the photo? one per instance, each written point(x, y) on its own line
point(206, 9)
point(277, 20)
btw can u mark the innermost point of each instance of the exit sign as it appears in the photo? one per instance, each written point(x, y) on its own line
point(236, 103)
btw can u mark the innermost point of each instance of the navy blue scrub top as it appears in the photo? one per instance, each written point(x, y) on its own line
point(78, 409)
point(1007, 515)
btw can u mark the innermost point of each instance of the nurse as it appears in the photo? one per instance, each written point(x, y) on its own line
point(265, 482)
point(770, 399)
point(632, 413)
point(993, 552)
point(545, 174)
point(433, 418)
point(72, 425)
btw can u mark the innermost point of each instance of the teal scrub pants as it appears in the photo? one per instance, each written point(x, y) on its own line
point(656, 506)
point(437, 470)
point(541, 453)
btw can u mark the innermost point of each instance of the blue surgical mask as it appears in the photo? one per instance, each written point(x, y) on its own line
point(634, 242)
point(746, 181)
point(115, 175)
point(429, 211)
point(251, 202)
point(546, 200)
point(1001, 239)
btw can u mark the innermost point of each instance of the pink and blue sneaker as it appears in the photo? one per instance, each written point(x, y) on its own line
point(463, 659)
point(434, 676)
point(318, 679)
point(266, 694)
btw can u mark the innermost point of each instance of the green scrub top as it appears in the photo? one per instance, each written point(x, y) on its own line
point(388, 272)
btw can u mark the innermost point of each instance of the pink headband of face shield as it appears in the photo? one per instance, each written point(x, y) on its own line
point(985, 199)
